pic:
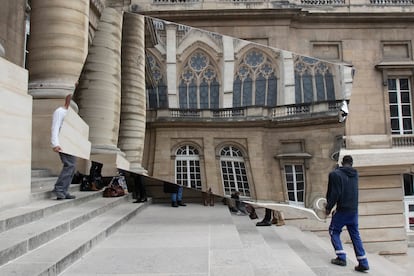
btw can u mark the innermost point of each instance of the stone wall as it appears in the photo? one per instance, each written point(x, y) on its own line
point(16, 130)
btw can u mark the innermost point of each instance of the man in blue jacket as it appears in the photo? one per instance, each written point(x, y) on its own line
point(343, 192)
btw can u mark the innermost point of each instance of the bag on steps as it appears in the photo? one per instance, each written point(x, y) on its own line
point(114, 188)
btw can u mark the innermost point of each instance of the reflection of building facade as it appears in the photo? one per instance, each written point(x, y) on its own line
point(221, 113)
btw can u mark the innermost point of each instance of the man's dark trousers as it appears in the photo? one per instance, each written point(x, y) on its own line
point(66, 175)
point(350, 220)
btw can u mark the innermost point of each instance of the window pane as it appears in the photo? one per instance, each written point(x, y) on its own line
point(393, 97)
point(395, 124)
point(307, 88)
point(300, 196)
point(288, 169)
point(407, 124)
point(392, 85)
point(406, 110)
point(394, 111)
point(291, 196)
point(404, 84)
point(260, 91)
point(298, 168)
point(405, 97)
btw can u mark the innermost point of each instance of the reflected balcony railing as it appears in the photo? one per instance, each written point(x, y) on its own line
point(286, 112)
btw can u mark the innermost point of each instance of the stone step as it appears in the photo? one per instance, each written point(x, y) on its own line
point(19, 240)
point(14, 217)
point(55, 256)
point(44, 190)
point(40, 173)
point(320, 252)
point(267, 251)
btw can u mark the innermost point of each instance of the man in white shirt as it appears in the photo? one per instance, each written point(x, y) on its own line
point(69, 161)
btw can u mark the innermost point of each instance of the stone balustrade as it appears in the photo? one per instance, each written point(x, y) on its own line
point(287, 112)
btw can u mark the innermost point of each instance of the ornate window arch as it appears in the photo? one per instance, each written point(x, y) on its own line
point(233, 171)
point(314, 80)
point(187, 167)
point(199, 87)
point(255, 80)
point(157, 97)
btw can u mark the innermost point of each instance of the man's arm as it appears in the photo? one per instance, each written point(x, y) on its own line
point(332, 195)
point(56, 124)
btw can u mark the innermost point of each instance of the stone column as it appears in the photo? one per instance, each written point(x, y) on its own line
point(99, 91)
point(171, 48)
point(58, 46)
point(133, 107)
point(228, 72)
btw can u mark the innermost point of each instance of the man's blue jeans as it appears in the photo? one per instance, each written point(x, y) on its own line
point(66, 175)
point(177, 196)
point(350, 220)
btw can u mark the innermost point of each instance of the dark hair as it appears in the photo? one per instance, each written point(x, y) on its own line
point(347, 160)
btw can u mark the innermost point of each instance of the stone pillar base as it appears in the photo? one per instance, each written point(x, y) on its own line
point(111, 162)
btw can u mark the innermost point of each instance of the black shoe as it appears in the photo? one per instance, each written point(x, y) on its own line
point(180, 203)
point(174, 204)
point(339, 262)
point(66, 197)
point(361, 268)
point(263, 223)
point(140, 200)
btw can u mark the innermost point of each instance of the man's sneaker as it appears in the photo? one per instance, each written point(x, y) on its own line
point(339, 262)
point(68, 196)
point(361, 268)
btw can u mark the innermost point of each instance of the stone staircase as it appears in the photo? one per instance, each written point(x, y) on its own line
point(307, 252)
point(45, 236)
point(211, 241)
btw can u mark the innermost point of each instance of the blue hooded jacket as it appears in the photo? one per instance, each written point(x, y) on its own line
point(343, 190)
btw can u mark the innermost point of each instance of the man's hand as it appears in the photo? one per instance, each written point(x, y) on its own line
point(327, 212)
point(57, 149)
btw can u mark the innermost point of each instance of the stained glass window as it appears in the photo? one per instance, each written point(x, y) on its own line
point(199, 85)
point(156, 96)
point(314, 80)
point(255, 81)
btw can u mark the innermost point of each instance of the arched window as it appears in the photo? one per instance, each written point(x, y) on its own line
point(255, 81)
point(233, 171)
point(157, 96)
point(314, 81)
point(198, 86)
point(187, 167)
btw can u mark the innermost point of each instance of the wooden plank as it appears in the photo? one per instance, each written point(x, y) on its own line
point(74, 135)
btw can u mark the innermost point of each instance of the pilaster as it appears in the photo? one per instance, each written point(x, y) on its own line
point(171, 47)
